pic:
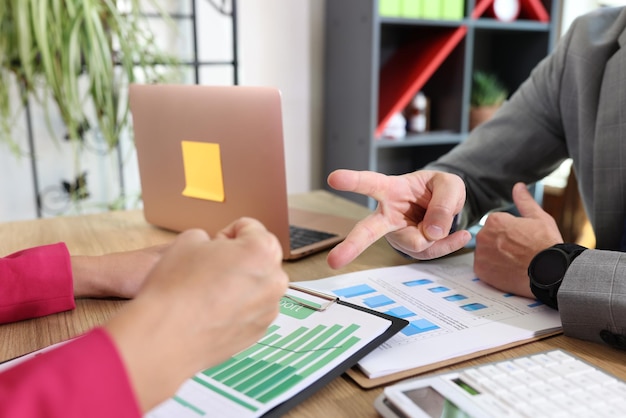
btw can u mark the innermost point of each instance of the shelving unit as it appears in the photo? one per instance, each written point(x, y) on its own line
point(375, 65)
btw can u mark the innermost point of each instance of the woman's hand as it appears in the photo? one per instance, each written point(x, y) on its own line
point(203, 302)
point(118, 274)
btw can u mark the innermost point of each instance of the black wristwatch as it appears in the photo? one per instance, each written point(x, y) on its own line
point(547, 269)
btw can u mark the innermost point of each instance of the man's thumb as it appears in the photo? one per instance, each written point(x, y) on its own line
point(525, 202)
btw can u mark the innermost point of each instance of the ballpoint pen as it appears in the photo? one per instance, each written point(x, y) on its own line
point(331, 299)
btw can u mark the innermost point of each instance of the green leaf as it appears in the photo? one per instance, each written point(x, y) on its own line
point(80, 54)
point(487, 90)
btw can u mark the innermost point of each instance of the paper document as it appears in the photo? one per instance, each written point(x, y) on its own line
point(451, 313)
point(299, 348)
point(313, 340)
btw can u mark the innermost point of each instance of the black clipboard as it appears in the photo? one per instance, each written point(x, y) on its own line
point(396, 324)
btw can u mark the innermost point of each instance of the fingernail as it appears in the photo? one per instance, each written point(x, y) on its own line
point(434, 232)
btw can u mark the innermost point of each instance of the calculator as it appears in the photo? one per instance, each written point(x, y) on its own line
point(548, 384)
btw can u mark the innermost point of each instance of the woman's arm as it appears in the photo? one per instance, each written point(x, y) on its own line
point(44, 280)
point(202, 302)
point(35, 282)
point(82, 378)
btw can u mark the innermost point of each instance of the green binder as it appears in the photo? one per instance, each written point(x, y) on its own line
point(452, 9)
point(431, 9)
point(389, 8)
point(411, 9)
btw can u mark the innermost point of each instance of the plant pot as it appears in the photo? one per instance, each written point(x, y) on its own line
point(481, 114)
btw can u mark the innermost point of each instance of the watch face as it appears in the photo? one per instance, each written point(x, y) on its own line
point(549, 267)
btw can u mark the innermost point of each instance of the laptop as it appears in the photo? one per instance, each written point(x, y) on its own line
point(208, 155)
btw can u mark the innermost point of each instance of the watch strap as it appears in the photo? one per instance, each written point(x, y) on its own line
point(548, 293)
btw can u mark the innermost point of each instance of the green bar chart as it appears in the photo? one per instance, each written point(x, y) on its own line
point(263, 371)
point(275, 364)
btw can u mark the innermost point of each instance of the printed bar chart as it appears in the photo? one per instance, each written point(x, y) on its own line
point(373, 299)
point(275, 364)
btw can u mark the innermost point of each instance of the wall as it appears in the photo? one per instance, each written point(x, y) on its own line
point(575, 8)
point(282, 46)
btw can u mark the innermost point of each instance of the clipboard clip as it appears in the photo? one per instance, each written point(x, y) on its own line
point(325, 296)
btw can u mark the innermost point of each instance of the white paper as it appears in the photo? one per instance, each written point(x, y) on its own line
point(326, 339)
point(302, 345)
point(451, 312)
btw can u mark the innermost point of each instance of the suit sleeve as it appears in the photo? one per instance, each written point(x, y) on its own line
point(524, 141)
point(36, 282)
point(82, 378)
point(592, 298)
point(553, 115)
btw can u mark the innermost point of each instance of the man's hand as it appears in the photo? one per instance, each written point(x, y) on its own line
point(506, 244)
point(415, 213)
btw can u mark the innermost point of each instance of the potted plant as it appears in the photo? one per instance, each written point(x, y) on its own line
point(488, 94)
point(81, 54)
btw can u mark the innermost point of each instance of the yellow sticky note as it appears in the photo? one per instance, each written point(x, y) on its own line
point(203, 171)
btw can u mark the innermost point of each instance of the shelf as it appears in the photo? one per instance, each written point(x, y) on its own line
point(413, 64)
point(409, 69)
point(376, 64)
point(422, 22)
point(418, 140)
point(483, 22)
point(529, 25)
point(465, 22)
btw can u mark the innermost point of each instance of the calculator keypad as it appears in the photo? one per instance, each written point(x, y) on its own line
point(552, 384)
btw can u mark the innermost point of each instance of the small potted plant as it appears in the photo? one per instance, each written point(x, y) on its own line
point(488, 94)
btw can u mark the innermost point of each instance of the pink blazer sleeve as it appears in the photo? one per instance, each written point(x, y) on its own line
point(82, 378)
point(36, 282)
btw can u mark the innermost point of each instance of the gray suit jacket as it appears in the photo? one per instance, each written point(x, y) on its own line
point(572, 105)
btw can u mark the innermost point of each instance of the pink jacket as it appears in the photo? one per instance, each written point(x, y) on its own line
point(83, 378)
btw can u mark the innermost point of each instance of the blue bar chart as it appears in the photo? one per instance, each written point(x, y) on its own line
point(372, 298)
point(450, 312)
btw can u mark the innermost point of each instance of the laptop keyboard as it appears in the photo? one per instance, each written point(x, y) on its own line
point(301, 237)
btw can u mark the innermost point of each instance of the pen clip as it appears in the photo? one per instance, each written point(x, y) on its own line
point(321, 308)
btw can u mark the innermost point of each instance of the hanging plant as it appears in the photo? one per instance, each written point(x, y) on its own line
point(81, 54)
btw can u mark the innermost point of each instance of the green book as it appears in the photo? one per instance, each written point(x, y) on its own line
point(452, 9)
point(431, 9)
point(412, 8)
point(389, 8)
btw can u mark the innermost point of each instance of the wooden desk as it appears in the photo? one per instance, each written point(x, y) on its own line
point(117, 231)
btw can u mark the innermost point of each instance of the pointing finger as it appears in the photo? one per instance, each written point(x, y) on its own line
point(365, 233)
point(367, 183)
